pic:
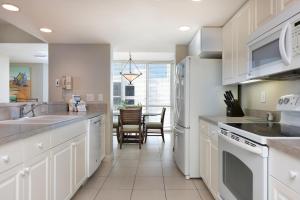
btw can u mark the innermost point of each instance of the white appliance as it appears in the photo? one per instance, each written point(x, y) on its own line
point(275, 47)
point(198, 91)
point(94, 149)
point(243, 152)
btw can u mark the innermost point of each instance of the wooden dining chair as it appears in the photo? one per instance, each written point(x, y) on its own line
point(116, 125)
point(131, 122)
point(152, 127)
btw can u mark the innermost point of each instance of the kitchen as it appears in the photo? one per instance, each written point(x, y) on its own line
point(232, 110)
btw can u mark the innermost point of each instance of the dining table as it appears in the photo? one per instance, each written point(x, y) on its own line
point(144, 115)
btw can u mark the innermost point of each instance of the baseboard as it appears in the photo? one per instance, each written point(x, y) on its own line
point(108, 158)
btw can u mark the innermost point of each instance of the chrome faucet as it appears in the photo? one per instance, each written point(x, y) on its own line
point(33, 107)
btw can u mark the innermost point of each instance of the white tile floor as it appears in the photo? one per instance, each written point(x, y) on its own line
point(146, 174)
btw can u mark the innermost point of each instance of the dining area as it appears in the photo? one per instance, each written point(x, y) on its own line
point(133, 124)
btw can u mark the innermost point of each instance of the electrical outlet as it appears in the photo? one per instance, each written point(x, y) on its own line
point(57, 82)
point(100, 97)
point(263, 97)
point(90, 97)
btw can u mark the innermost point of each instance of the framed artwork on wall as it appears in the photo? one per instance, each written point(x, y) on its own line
point(20, 83)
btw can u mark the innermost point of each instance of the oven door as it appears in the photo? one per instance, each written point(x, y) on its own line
point(243, 171)
point(272, 52)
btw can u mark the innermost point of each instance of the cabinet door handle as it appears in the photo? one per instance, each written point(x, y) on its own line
point(293, 174)
point(22, 173)
point(27, 170)
point(40, 145)
point(5, 158)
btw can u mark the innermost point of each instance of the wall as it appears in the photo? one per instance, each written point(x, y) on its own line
point(181, 51)
point(37, 79)
point(4, 79)
point(89, 65)
point(273, 89)
point(12, 34)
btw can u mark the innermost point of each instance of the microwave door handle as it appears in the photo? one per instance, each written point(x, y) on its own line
point(285, 44)
point(246, 147)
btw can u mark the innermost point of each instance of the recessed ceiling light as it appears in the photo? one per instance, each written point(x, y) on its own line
point(10, 7)
point(197, 0)
point(184, 28)
point(46, 30)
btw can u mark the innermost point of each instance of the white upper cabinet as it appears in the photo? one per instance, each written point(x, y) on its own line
point(207, 43)
point(228, 72)
point(235, 51)
point(243, 30)
point(264, 10)
point(282, 4)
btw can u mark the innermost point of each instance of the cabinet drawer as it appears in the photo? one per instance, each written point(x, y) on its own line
point(203, 126)
point(65, 133)
point(285, 168)
point(36, 145)
point(10, 155)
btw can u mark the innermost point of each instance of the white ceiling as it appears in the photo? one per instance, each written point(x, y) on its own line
point(136, 25)
point(25, 53)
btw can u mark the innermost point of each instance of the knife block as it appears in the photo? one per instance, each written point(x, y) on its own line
point(235, 110)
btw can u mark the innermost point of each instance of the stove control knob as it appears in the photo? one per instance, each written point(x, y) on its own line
point(280, 101)
point(286, 100)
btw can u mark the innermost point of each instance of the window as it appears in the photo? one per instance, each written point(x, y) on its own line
point(152, 89)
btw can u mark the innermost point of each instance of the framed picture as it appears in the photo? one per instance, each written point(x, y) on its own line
point(20, 83)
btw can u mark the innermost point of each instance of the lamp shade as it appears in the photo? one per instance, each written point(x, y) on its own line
point(130, 75)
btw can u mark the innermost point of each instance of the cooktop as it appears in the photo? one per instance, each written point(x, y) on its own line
point(268, 129)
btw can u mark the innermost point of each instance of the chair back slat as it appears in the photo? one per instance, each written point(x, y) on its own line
point(130, 116)
point(163, 116)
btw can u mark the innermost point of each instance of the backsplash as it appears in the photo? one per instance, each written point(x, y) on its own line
point(12, 110)
point(251, 94)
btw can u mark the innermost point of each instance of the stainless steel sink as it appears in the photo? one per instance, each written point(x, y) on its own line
point(43, 119)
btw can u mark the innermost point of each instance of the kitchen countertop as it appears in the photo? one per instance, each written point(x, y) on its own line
point(288, 146)
point(12, 132)
point(224, 119)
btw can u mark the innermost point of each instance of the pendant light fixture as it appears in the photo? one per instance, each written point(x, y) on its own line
point(129, 74)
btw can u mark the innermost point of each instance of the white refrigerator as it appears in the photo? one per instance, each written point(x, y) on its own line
point(198, 91)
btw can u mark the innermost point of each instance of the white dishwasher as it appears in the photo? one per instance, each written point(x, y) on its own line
point(94, 154)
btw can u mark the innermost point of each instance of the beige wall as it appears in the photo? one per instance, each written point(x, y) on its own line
point(90, 67)
point(12, 34)
point(273, 89)
point(181, 51)
point(4, 79)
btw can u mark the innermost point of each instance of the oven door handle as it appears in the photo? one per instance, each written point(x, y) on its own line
point(246, 147)
point(285, 47)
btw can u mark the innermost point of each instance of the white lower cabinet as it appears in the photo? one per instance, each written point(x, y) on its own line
point(61, 163)
point(48, 168)
point(36, 175)
point(279, 191)
point(209, 159)
point(79, 161)
point(11, 184)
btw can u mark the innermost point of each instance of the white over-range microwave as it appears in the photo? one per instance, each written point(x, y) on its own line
point(275, 47)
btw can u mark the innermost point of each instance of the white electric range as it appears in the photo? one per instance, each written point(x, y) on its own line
point(243, 151)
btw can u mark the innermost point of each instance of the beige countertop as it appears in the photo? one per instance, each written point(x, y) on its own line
point(12, 132)
point(224, 119)
point(288, 146)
